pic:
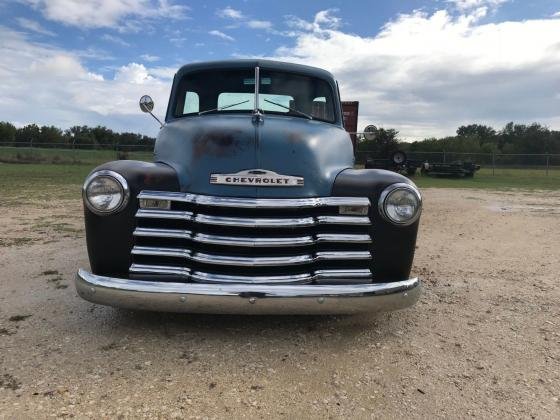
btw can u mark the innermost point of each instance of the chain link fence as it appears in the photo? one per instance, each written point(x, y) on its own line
point(94, 154)
point(62, 153)
point(494, 162)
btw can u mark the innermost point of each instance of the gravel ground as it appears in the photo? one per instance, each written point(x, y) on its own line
point(483, 341)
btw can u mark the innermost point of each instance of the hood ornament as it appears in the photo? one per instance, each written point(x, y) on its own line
point(257, 178)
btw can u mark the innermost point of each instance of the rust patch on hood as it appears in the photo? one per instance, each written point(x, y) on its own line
point(220, 143)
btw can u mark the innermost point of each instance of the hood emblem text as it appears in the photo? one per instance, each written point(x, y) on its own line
point(257, 177)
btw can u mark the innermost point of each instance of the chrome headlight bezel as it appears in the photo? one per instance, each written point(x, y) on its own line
point(386, 194)
point(118, 179)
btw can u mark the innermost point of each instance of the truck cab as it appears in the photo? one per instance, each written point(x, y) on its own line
point(252, 205)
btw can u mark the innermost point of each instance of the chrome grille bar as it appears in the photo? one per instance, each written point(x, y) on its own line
point(258, 203)
point(251, 241)
point(254, 222)
point(204, 277)
point(240, 261)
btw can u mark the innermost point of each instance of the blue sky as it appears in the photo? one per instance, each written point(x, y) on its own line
point(423, 67)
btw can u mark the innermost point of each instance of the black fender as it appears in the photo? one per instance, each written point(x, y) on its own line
point(109, 237)
point(393, 246)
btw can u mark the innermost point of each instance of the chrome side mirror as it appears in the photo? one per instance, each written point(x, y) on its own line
point(147, 105)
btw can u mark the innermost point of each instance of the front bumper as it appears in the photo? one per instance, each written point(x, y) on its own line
point(247, 298)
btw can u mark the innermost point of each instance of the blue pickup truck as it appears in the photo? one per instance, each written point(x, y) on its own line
point(252, 205)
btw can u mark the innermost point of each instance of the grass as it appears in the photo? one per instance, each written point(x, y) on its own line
point(503, 179)
point(67, 156)
point(21, 183)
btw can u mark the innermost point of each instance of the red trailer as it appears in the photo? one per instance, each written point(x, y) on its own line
point(350, 115)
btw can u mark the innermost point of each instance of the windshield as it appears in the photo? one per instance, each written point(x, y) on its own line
point(227, 91)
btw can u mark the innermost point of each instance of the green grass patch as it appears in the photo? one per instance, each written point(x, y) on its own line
point(67, 156)
point(502, 179)
point(20, 184)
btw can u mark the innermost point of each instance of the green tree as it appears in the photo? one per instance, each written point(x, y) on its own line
point(7, 133)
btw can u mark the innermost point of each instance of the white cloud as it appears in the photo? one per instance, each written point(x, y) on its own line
point(425, 74)
point(465, 5)
point(557, 14)
point(33, 26)
point(241, 19)
point(48, 85)
point(115, 40)
point(221, 35)
point(149, 58)
point(107, 13)
point(259, 24)
point(229, 13)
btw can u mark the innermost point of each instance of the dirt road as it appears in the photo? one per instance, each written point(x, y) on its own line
point(483, 341)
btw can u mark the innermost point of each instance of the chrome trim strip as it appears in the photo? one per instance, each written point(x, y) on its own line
point(160, 269)
point(203, 277)
point(251, 261)
point(251, 241)
point(161, 252)
point(164, 214)
point(162, 233)
point(343, 220)
point(343, 237)
point(205, 258)
point(343, 274)
point(259, 203)
point(254, 222)
point(247, 298)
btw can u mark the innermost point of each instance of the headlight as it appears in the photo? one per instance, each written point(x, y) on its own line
point(400, 204)
point(105, 192)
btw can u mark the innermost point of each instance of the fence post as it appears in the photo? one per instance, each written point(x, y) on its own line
point(444, 156)
point(493, 163)
point(547, 163)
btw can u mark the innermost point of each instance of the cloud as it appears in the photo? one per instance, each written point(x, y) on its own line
point(115, 40)
point(33, 26)
point(465, 5)
point(557, 14)
point(48, 85)
point(425, 74)
point(259, 24)
point(229, 13)
point(237, 15)
point(149, 58)
point(107, 13)
point(221, 35)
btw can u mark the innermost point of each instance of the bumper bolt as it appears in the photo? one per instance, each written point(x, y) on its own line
point(92, 289)
point(321, 300)
point(252, 300)
point(183, 299)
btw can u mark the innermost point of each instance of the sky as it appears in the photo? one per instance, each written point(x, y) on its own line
point(423, 67)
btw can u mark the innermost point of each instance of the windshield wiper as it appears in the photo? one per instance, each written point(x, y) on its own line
point(297, 111)
point(223, 107)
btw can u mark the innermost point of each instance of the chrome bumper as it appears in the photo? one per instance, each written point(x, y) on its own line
point(247, 298)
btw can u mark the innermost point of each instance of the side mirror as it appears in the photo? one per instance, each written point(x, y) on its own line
point(147, 105)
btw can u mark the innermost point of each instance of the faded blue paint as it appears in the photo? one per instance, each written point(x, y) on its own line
point(197, 146)
point(201, 145)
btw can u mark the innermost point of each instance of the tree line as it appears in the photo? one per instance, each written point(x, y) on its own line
point(75, 137)
point(473, 138)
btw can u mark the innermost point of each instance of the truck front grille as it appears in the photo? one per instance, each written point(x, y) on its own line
point(244, 240)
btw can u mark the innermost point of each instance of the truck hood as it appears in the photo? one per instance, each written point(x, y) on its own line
point(200, 146)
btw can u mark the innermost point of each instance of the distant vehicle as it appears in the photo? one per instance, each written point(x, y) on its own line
point(252, 205)
point(453, 169)
point(398, 162)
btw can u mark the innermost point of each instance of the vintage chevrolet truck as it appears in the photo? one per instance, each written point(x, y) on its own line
point(252, 205)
